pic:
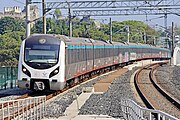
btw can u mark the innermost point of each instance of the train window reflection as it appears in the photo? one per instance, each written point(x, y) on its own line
point(41, 56)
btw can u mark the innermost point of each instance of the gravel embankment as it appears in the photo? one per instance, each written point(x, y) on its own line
point(109, 102)
point(57, 107)
point(169, 79)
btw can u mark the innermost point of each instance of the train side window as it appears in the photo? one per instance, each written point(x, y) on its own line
point(80, 55)
point(76, 55)
point(109, 50)
point(96, 53)
point(78, 52)
point(84, 55)
point(69, 56)
point(106, 52)
point(90, 54)
point(72, 56)
point(70, 52)
point(99, 53)
point(87, 55)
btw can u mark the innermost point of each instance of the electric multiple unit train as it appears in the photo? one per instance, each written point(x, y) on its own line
point(51, 61)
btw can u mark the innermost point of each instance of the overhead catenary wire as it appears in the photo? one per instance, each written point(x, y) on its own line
point(19, 2)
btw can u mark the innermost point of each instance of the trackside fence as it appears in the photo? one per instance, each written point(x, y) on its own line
point(23, 109)
point(8, 77)
point(132, 111)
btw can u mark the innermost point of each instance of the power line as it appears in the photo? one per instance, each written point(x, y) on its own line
point(19, 2)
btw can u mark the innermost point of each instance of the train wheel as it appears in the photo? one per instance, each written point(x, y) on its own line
point(70, 82)
point(76, 80)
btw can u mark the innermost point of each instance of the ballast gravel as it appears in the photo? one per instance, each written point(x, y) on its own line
point(57, 107)
point(169, 79)
point(105, 104)
point(109, 102)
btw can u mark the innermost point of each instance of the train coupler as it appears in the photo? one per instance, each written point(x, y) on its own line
point(39, 86)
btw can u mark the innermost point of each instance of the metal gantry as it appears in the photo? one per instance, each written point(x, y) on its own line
point(112, 4)
point(118, 12)
point(113, 8)
point(117, 7)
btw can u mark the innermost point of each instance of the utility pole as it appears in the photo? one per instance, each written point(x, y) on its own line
point(165, 32)
point(110, 27)
point(28, 27)
point(145, 41)
point(154, 40)
point(172, 38)
point(70, 20)
point(165, 21)
point(128, 33)
point(44, 17)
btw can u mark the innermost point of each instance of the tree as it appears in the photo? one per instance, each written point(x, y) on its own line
point(10, 46)
point(37, 28)
point(9, 24)
point(57, 13)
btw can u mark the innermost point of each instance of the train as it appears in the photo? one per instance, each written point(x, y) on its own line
point(51, 62)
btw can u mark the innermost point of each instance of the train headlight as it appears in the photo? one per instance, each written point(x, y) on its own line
point(25, 71)
point(54, 72)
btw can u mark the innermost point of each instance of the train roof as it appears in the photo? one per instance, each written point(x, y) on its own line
point(89, 41)
point(81, 40)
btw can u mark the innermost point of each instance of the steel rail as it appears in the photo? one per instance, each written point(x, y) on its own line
point(141, 94)
point(173, 100)
point(148, 104)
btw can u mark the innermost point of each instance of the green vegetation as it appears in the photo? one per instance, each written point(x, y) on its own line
point(12, 32)
point(8, 24)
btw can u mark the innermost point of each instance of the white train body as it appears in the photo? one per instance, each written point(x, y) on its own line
point(42, 61)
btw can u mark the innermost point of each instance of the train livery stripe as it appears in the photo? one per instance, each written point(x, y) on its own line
point(99, 47)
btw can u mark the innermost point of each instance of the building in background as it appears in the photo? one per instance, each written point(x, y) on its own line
point(17, 13)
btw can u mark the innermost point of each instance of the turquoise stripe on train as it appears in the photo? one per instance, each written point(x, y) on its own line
point(99, 47)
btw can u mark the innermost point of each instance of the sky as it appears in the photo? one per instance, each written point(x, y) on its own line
point(150, 20)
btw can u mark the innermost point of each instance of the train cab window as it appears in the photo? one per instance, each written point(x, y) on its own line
point(41, 56)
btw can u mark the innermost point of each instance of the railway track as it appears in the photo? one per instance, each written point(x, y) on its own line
point(48, 95)
point(15, 111)
point(152, 94)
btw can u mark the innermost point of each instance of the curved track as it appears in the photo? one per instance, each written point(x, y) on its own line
point(152, 94)
point(48, 94)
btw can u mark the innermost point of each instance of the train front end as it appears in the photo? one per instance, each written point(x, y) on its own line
point(42, 63)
